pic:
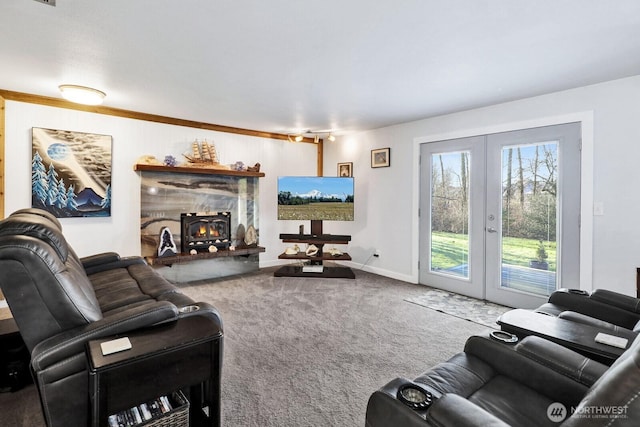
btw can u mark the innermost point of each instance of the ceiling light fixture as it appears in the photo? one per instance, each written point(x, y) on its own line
point(299, 137)
point(82, 94)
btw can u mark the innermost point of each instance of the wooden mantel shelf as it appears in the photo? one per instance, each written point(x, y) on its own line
point(194, 170)
point(182, 258)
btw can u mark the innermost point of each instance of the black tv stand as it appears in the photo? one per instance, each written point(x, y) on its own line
point(319, 239)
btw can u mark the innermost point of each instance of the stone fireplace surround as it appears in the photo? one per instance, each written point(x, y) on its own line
point(168, 192)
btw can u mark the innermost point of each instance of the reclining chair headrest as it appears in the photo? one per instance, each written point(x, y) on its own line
point(38, 227)
point(44, 283)
point(42, 213)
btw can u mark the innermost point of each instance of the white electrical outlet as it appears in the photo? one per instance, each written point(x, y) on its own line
point(376, 253)
point(598, 208)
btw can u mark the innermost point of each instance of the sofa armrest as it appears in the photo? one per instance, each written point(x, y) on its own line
point(591, 321)
point(455, 411)
point(545, 378)
point(109, 261)
point(97, 259)
point(71, 342)
point(562, 360)
point(384, 409)
point(200, 308)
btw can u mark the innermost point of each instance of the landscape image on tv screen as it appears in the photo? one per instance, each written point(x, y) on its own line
point(315, 198)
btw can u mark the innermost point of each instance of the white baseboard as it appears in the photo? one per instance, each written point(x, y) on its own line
point(353, 265)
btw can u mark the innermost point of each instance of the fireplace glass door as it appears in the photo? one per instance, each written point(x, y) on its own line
point(203, 230)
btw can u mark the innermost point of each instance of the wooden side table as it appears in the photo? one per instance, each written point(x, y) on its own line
point(182, 355)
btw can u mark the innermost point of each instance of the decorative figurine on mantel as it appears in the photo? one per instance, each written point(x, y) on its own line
point(167, 246)
point(170, 161)
point(239, 166)
point(204, 154)
point(148, 159)
point(254, 168)
point(251, 236)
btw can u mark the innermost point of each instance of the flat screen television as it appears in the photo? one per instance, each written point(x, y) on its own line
point(315, 198)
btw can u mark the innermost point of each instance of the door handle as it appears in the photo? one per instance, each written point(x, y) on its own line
point(492, 230)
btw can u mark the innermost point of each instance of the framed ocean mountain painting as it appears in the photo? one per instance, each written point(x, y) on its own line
point(71, 173)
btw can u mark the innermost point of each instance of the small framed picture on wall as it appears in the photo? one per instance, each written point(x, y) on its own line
point(381, 158)
point(345, 169)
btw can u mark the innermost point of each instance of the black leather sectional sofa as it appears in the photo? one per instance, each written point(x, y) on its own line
point(502, 380)
point(602, 308)
point(60, 302)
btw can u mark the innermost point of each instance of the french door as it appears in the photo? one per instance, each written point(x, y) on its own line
point(499, 214)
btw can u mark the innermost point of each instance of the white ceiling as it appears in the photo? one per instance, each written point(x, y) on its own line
point(289, 65)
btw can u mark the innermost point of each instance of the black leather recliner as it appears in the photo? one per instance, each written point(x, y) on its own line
point(534, 383)
point(60, 301)
point(601, 308)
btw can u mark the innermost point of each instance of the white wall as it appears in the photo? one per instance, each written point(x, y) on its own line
point(386, 207)
point(132, 139)
point(386, 201)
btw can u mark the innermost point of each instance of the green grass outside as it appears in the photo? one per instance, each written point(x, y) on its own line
point(450, 250)
point(332, 211)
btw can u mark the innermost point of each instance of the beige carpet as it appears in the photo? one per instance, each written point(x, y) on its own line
point(309, 352)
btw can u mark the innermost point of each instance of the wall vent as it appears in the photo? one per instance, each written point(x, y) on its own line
point(49, 2)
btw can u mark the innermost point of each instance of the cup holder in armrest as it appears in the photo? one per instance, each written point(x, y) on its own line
point(504, 337)
point(189, 308)
point(415, 397)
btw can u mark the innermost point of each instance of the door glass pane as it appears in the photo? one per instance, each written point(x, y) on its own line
point(529, 206)
point(450, 213)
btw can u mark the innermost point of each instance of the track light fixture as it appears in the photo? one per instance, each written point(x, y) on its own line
point(295, 137)
point(298, 137)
